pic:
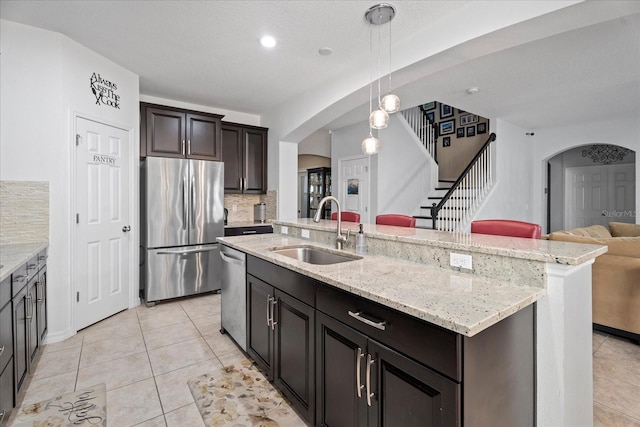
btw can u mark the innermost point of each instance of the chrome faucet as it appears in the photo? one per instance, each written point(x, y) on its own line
point(340, 239)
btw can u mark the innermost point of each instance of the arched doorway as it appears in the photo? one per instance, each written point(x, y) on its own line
point(591, 184)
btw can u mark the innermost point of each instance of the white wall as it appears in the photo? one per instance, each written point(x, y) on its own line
point(404, 170)
point(623, 131)
point(288, 191)
point(44, 80)
point(318, 143)
point(512, 193)
point(346, 143)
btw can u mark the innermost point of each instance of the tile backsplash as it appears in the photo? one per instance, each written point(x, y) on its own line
point(244, 205)
point(24, 211)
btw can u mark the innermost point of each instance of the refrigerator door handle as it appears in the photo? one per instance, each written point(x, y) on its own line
point(188, 251)
point(193, 202)
point(185, 203)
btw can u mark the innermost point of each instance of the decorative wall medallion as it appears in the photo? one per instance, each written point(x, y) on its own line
point(605, 153)
point(104, 91)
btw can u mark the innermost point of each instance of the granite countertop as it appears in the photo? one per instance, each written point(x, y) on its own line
point(549, 251)
point(14, 255)
point(460, 302)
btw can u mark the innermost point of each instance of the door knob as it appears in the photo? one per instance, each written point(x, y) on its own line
point(126, 228)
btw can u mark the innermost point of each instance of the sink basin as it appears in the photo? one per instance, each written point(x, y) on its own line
point(313, 255)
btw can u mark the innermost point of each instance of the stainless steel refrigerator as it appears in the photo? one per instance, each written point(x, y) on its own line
point(182, 214)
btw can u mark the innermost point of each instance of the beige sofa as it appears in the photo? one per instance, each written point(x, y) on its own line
point(616, 275)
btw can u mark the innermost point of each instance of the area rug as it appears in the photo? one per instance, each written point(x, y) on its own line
point(239, 395)
point(87, 407)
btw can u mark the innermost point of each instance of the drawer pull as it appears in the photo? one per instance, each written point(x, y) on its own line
point(1, 350)
point(31, 266)
point(249, 232)
point(20, 278)
point(359, 387)
point(1, 416)
point(382, 325)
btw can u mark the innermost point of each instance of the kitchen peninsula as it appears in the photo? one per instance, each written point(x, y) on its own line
point(519, 294)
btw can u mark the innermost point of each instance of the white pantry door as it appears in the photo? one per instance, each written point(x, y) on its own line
point(353, 191)
point(102, 221)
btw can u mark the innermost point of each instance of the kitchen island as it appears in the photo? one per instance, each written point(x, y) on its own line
point(408, 271)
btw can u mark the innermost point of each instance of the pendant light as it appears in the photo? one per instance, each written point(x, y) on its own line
point(379, 119)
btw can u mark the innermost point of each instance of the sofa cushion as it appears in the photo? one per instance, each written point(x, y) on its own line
point(623, 229)
point(591, 231)
point(622, 246)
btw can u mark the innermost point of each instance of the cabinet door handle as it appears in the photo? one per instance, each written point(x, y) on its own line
point(29, 315)
point(274, 301)
point(381, 324)
point(268, 310)
point(1, 416)
point(1, 350)
point(42, 257)
point(20, 278)
point(183, 147)
point(39, 294)
point(359, 386)
point(370, 362)
point(188, 147)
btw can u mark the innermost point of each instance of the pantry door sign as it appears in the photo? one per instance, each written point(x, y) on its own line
point(104, 91)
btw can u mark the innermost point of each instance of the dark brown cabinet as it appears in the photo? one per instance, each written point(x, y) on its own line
point(172, 132)
point(6, 351)
point(280, 340)
point(361, 382)
point(244, 153)
point(21, 330)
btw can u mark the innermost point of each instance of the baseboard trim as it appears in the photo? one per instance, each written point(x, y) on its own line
point(618, 332)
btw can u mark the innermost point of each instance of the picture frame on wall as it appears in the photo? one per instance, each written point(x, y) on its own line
point(446, 111)
point(471, 131)
point(460, 133)
point(467, 119)
point(447, 127)
point(481, 128)
point(446, 141)
point(431, 116)
point(428, 106)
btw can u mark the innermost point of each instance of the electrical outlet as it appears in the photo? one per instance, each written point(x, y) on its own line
point(284, 230)
point(460, 260)
point(305, 233)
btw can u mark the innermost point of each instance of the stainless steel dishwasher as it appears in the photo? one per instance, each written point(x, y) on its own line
point(234, 295)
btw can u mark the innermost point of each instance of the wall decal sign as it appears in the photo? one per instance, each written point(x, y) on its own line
point(103, 159)
point(605, 153)
point(353, 186)
point(104, 91)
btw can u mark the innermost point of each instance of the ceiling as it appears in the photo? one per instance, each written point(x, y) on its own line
point(207, 53)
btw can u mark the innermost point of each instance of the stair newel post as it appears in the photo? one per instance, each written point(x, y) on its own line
point(433, 215)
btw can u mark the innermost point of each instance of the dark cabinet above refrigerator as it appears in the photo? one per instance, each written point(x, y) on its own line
point(172, 132)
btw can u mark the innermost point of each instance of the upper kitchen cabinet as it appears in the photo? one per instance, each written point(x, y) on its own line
point(172, 132)
point(244, 153)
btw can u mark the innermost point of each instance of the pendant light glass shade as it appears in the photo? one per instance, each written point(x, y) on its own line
point(379, 119)
point(371, 145)
point(390, 103)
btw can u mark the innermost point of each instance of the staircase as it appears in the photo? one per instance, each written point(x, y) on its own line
point(452, 204)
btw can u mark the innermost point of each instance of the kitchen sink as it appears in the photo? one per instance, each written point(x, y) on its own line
point(314, 255)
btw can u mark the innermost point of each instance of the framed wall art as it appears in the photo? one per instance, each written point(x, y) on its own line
point(471, 131)
point(428, 106)
point(460, 133)
point(481, 128)
point(468, 119)
point(447, 127)
point(446, 111)
point(430, 116)
point(446, 141)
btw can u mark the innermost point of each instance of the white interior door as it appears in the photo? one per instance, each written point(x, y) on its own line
point(103, 227)
point(354, 186)
point(599, 195)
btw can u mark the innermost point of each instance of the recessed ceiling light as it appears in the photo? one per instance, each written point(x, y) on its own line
point(268, 41)
point(325, 51)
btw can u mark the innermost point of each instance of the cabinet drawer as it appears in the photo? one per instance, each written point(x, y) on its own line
point(6, 393)
point(295, 284)
point(428, 344)
point(241, 231)
point(5, 291)
point(19, 279)
point(6, 335)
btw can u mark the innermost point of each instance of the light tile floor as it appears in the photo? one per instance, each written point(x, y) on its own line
point(146, 355)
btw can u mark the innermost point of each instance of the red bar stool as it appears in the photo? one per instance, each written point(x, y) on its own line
point(346, 216)
point(506, 227)
point(396, 219)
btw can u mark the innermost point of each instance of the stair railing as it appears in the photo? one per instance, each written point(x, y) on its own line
point(423, 128)
point(466, 193)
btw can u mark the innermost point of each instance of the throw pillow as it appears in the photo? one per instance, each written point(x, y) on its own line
point(623, 229)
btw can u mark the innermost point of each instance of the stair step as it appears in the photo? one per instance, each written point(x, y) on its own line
point(447, 180)
point(431, 218)
point(445, 207)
